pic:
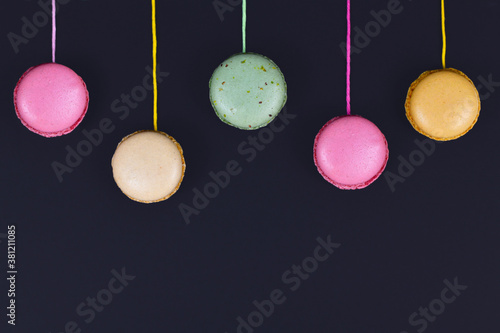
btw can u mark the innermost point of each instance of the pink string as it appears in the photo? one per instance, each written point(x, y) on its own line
point(53, 30)
point(348, 55)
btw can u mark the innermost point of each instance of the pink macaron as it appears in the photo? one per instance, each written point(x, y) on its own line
point(350, 152)
point(51, 99)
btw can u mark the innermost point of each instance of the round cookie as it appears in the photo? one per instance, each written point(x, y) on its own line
point(443, 104)
point(148, 166)
point(247, 91)
point(51, 99)
point(350, 152)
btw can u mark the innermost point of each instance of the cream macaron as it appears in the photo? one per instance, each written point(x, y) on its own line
point(148, 166)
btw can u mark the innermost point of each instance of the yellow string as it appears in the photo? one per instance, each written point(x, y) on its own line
point(444, 33)
point(155, 81)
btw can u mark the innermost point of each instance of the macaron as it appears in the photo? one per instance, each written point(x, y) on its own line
point(350, 152)
point(51, 99)
point(148, 166)
point(443, 104)
point(247, 91)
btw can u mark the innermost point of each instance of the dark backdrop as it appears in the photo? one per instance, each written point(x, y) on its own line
point(399, 242)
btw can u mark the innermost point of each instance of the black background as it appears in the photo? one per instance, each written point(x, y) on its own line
point(397, 246)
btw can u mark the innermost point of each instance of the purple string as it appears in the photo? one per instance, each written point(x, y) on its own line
point(53, 30)
point(348, 55)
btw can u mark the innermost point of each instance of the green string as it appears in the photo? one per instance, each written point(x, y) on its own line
point(244, 26)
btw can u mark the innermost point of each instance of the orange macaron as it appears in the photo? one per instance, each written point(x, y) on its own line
point(443, 104)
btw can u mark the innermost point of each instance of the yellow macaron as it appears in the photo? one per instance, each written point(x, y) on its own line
point(443, 104)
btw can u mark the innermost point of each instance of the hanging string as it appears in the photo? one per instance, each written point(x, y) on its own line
point(53, 30)
point(244, 25)
point(155, 81)
point(443, 27)
point(348, 56)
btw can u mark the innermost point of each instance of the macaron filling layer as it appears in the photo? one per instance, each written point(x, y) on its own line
point(148, 166)
point(350, 152)
point(247, 91)
point(51, 99)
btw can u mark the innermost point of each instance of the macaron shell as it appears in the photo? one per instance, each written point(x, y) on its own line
point(148, 166)
point(247, 91)
point(51, 99)
point(350, 152)
point(443, 104)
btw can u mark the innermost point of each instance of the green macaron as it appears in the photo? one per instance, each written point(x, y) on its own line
point(247, 91)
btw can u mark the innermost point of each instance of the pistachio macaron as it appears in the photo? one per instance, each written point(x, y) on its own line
point(443, 104)
point(247, 91)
